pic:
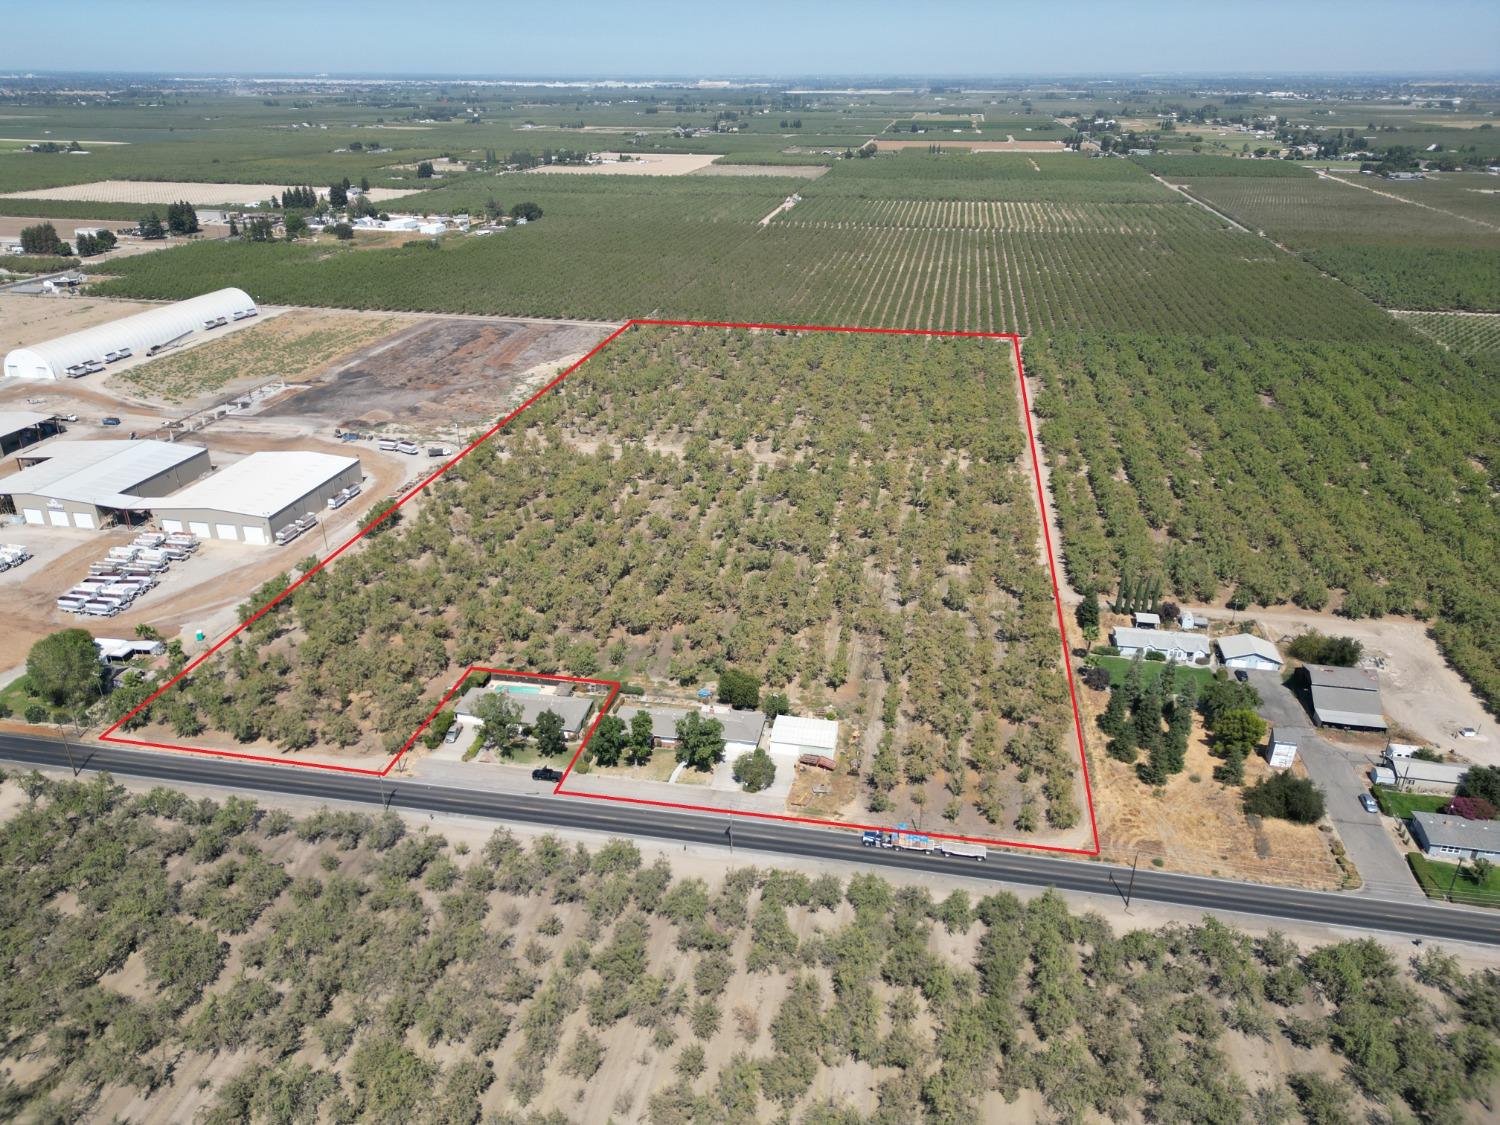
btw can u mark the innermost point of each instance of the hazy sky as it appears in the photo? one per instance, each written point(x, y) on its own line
point(770, 37)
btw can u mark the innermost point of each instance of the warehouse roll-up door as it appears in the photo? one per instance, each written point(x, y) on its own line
point(171, 527)
point(33, 515)
point(226, 531)
point(198, 529)
point(84, 520)
point(57, 519)
point(256, 535)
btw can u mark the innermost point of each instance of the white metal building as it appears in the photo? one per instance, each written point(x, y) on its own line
point(1246, 650)
point(792, 736)
point(252, 499)
point(141, 332)
point(91, 484)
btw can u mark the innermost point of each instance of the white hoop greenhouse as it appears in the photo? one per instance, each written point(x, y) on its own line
point(139, 333)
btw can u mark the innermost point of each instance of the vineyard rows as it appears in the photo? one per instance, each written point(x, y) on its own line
point(1473, 334)
point(913, 174)
point(1282, 470)
point(1035, 216)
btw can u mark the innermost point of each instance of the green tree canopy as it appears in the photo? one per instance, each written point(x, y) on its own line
point(739, 689)
point(548, 732)
point(501, 719)
point(755, 771)
point(700, 741)
point(65, 669)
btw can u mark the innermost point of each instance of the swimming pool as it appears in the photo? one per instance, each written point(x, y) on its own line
point(522, 689)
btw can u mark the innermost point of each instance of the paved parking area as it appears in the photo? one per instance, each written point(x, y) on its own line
point(1343, 776)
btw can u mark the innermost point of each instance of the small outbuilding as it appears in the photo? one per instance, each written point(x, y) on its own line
point(1455, 837)
point(254, 498)
point(1281, 750)
point(1246, 650)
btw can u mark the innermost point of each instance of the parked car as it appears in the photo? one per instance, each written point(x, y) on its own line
point(1241, 675)
point(1369, 802)
point(546, 773)
point(110, 421)
point(453, 732)
point(1468, 732)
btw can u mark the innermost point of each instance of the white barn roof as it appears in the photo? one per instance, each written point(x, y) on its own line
point(795, 730)
point(102, 473)
point(261, 484)
point(1247, 644)
point(52, 358)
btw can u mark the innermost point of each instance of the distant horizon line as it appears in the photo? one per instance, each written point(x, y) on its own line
point(1473, 77)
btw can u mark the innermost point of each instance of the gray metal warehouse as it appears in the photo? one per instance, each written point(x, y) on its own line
point(254, 498)
point(92, 484)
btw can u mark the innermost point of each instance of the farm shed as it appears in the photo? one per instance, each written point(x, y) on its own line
point(52, 358)
point(1246, 650)
point(1416, 773)
point(792, 736)
point(1455, 837)
point(1345, 697)
point(252, 499)
point(1281, 750)
point(92, 484)
point(20, 428)
point(1185, 648)
point(573, 710)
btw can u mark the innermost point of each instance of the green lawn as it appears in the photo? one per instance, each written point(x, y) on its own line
point(1119, 668)
point(16, 697)
point(1398, 804)
point(1436, 877)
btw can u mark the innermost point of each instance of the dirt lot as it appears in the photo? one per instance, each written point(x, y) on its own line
point(298, 345)
point(643, 164)
point(28, 320)
point(1197, 825)
point(438, 377)
point(169, 191)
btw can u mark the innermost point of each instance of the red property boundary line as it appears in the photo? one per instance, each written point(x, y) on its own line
point(110, 734)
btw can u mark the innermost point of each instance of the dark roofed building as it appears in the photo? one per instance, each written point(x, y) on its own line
point(1345, 697)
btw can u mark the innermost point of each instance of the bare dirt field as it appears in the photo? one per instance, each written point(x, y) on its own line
point(439, 376)
point(298, 345)
point(11, 226)
point(642, 164)
point(976, 146)
point(173, 191)
point(804, 171)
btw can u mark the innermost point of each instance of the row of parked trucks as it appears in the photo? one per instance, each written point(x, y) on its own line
point(296, 528)
point(343, 497)
point(125, 573)
point(91, 366)
point(12, 555)
point(905, 840)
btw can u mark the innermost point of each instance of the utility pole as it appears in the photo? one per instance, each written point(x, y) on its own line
point(1130, 888)
point(729, 831)
point(1457, 867)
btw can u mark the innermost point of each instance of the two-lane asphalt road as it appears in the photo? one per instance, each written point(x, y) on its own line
point(1358, 912)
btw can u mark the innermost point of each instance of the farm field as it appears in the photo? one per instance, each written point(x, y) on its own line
point(358, 967)
point(1275, 470)
point(1400, 253)
point(982, 243)
point(667, 516)
point(643, 164)
point(1475, 334)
